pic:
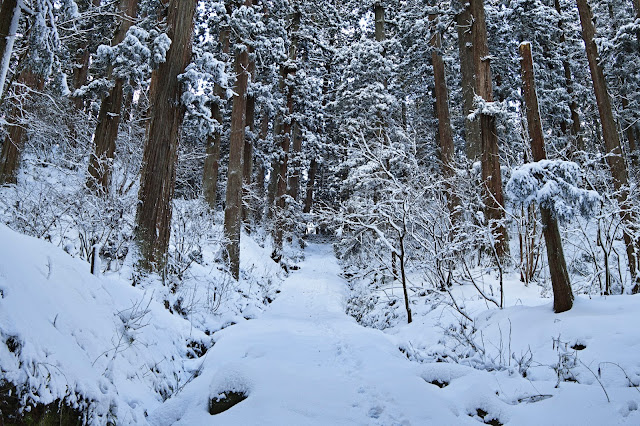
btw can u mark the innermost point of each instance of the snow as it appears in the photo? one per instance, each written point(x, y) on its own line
point(303, 360)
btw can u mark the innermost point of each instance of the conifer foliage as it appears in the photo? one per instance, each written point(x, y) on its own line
point(404, 130)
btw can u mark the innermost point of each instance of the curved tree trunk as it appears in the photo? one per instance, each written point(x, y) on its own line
point(158, 177)
point(562, 294)
point(9, 19)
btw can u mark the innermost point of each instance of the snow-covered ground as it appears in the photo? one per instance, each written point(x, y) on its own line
point(304, 361)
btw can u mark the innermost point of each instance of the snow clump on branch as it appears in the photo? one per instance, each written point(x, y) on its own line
point(552, 184)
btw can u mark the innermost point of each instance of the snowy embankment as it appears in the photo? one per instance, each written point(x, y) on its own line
point(99, 344)
point(111, 351)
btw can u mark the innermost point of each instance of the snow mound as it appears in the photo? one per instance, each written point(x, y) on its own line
point(102, 346)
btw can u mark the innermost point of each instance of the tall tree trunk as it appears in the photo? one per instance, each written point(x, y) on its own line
point(614, 156)
point(296, 163)
point(403, 275)
point(106, 134)
point(80, 74)
point(568, 78)
point(259, 201)
point(81, 67)
point(288, 76)
point(9, 20)
point(467, 73)
point(313, 167)
point(212, 159)
point(308, 200)
point(562, 294)
point(380, 35)
point(442, 101)
point(378, 11)
point(233, 205)
point(14, 142)
point(491, 177)
point(630, 133)
point(445, 135)
point(158, 176)
point(247, 174)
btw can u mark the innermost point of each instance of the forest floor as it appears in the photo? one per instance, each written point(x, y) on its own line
point(302, 360)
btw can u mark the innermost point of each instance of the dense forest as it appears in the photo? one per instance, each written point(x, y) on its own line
point(436, 145)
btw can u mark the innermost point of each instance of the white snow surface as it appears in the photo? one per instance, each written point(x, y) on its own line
point(303, 361)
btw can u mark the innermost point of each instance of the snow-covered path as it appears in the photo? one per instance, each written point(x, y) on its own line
point(306, 362)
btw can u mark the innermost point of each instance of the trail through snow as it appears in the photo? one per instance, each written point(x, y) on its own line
point(306, 362)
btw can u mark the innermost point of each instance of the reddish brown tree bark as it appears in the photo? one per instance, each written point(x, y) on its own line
point(14, 142)
point(491, 176)
point(106, 134)
point(615, 157)
point(467, 75)
point(445, 135)
point(233, 206)
point(562, 294)
point(158, 177)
